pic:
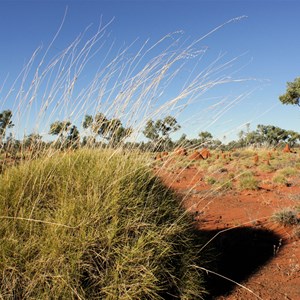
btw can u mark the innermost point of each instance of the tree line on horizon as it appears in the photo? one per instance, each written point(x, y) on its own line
point(112, 132)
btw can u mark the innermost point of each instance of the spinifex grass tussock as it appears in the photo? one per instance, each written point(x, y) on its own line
point(247, 181)
point(288, 216)
point(266, 168)
point(94, 224)
point(288, 171)
point(282, 176)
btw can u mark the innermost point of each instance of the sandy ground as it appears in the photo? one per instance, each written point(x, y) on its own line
point(261, 256)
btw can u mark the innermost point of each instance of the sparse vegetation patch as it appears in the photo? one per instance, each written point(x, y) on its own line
point(286, 217)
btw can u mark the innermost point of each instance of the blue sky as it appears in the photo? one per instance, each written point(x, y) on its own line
point(266, 42)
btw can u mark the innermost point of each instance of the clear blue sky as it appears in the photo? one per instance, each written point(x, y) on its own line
point(267, 40)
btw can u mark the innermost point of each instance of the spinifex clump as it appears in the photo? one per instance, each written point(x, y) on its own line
point(94, 225)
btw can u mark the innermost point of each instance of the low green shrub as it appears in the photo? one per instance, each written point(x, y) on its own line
point(94, 224)
point(280, 179)
point(210, 180)
point(266, 168)
point(288, 171)
point(247, 181)
point(224, 185)
point(286, 217)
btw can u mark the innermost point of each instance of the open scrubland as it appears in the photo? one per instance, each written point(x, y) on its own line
point(89, 210)
point(247, 202)
point(117, 224)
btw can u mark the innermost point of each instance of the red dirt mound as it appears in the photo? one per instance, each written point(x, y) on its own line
point(181, 152)
point(255, 159)
point(158, 157)
point(196, 156)
point(205, 153)
point(287, 149)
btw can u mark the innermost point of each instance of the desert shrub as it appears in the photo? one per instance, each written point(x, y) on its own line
point(210, 180)
point(246, 153)
point(217, 168)
point(266, 168)
point(94, 225)
point(224, 184)
point(247, 181)
point(285, 161)
point(286, 217)
point(288, 171)
point(280, 179)
point(282, 176)
point(236, 154)
point(245, 163)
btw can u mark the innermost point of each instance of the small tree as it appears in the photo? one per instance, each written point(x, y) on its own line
point(117, 133)
point(111, 130)
point(73, 137)
point(205, 138)
point(151, 131)
point(60, 128)
point(5, 122)
point(159, 132)
point(183, 141)
point(32, 140)
point(293, 137)
point(292, 95)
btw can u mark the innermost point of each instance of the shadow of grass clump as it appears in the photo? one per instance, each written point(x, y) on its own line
point(241, 252)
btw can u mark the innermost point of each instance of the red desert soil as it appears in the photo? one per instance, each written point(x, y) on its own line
point(256, 252)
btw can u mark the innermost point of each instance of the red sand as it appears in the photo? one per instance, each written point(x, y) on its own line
point(215, 210)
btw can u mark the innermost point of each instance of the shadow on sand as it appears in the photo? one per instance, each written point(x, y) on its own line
point(240, 253)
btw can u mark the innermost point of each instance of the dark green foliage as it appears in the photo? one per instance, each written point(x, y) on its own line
point(68, 134)
point(32, 140)
point(59, 127)
point(111, 130)
point(267, 135)
point(292, 94)
point(205, 138)
point(158, 132)
point(160, 129)
point(5, 122)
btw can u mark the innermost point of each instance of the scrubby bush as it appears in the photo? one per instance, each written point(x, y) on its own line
point(280, 179)
point(94, 224)
point(247, 181)
point(286, 217)
point(210, 180)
